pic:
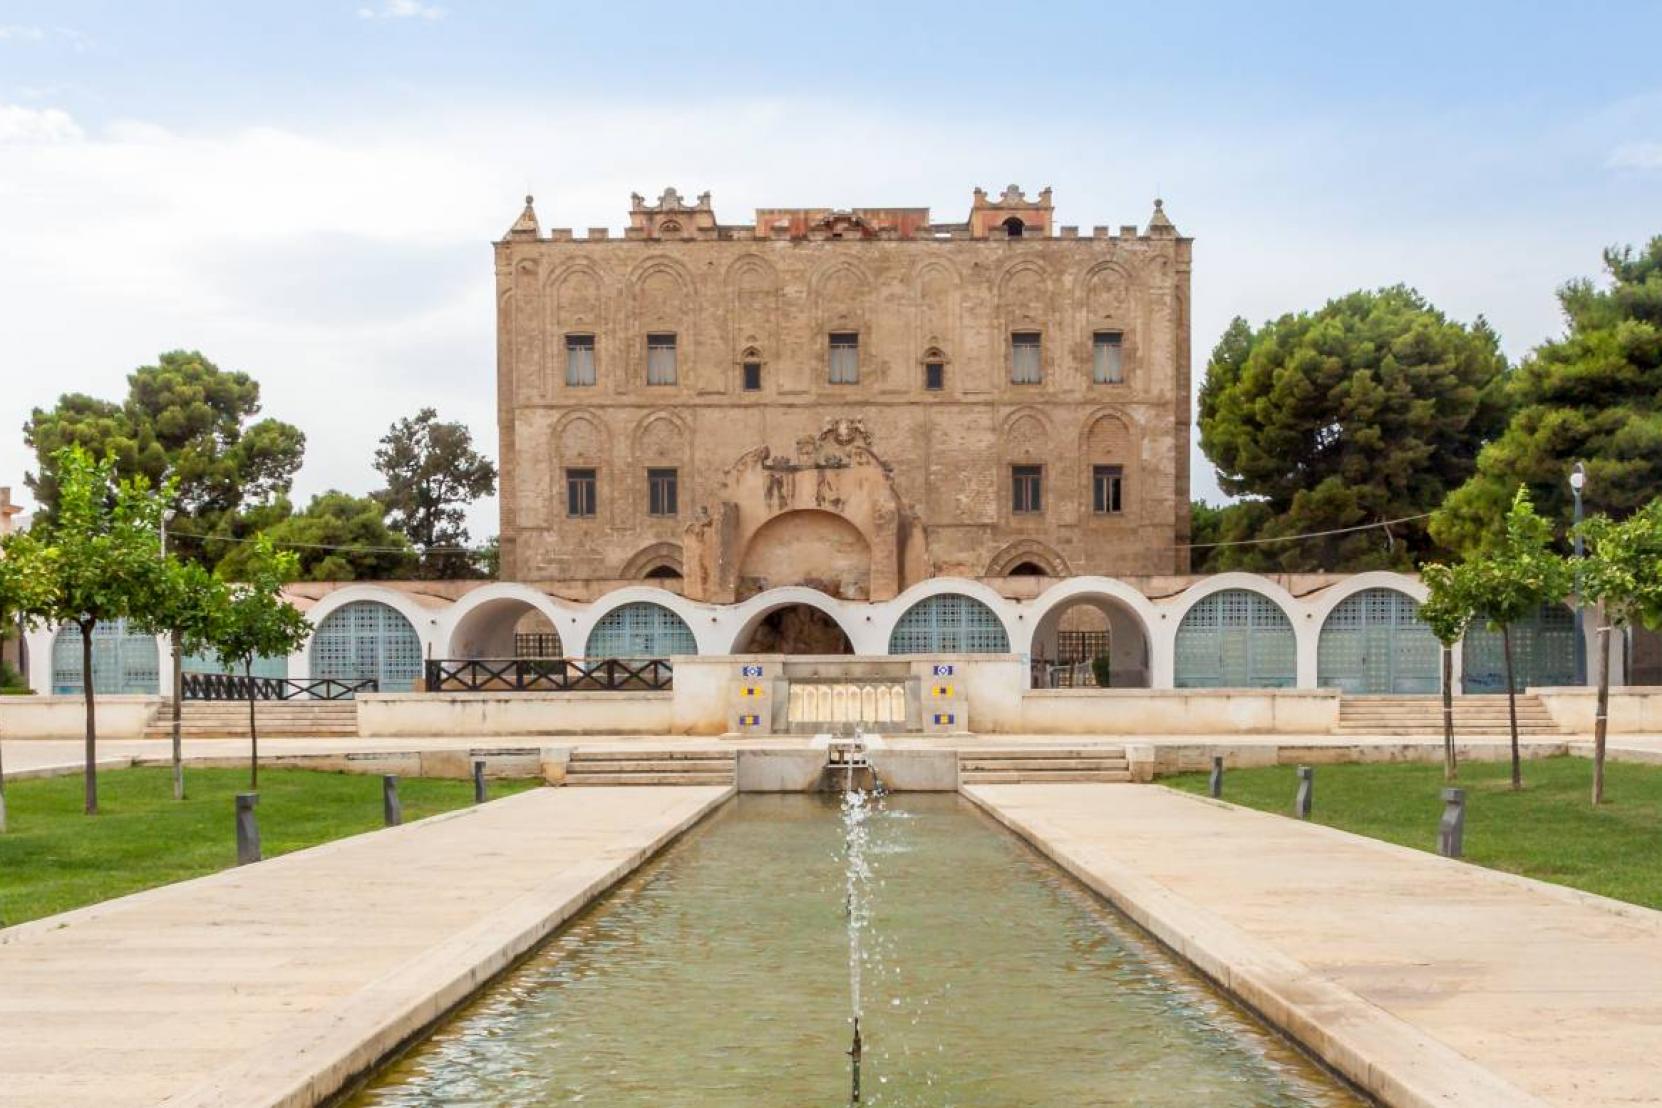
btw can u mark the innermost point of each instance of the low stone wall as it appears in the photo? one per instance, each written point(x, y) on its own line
point(1179, 711)
point(1634, 709)
point(401, 715)
point(65, 717)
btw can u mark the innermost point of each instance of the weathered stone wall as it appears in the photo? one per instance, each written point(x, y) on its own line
point(737, 294)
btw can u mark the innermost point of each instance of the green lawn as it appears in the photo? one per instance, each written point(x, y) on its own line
point(1549, 830)
point(54, 858)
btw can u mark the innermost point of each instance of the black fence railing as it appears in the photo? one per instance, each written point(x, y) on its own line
point(548, 674)
point(235, 686)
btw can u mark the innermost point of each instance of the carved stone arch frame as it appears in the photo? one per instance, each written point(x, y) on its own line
point(747, 345)
point(1129, 327)
point(658, 555)
point(632, 486)
point(634, 359)
point(1028, 550)
point(605, 475)
point(1045, 456)
point(934, 353)
point(558, 329)
point(1008, 322)
point(924, 338)
point(1131, 466)
point(857, 320)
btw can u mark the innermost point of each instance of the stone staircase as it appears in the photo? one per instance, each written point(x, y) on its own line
point(1034, 765)
point(228, 719)
point(1423, 715)
point(651, 767)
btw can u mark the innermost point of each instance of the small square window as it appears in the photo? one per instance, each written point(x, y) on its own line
point(579, 360)
point(661, 492)
point(1026, 362)
point(1027, 489)
point(580, 493)
point(1107, 489)
point(1107, 358)
point(660, 359)
point(844, 358)
point(934, 376)
point(752, 376)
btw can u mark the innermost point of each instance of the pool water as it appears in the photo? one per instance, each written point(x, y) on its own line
point(718, 975)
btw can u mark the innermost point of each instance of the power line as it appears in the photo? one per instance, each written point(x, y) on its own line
point(1306, 535)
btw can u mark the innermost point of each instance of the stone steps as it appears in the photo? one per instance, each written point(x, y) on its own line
point(220, 719)
point(651, 767)
point(1423, 715)
point(1043, 765)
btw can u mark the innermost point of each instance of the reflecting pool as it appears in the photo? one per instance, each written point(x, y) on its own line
point(718, 974)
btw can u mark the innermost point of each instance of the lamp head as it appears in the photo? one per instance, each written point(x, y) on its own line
point(1578, 477)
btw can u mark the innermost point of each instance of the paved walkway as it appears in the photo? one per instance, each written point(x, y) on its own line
point(274, 983)
point(1427, 981)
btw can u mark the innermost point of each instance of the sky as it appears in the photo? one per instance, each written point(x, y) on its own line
point(307, 191)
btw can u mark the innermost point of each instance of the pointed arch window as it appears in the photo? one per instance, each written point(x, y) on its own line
point(750, 370)
point(934, 370)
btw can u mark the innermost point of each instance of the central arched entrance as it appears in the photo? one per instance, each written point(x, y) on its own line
point(1235, 639)
point(1072, 635)
point(816, 549)
point(367, 639)
point(1375, 642)
point(794, 629)
point(949, 623)
point(1543, 653)
point(640, 630)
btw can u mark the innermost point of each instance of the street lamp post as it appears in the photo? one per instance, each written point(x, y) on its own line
point(1578, 481)
point(178, 683)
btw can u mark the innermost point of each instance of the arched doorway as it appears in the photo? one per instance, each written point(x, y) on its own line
point(1236, 639)
point(950, 623)
point(124, 661)
point(1543, 653)
point(1074, 633)
point(816, 549)
point(640, 629)
point(367, 639)
point(795, 629)
point(1375, 642)
point(504, 627)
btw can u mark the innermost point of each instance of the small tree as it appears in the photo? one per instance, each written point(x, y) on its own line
point(1622, 574)
point(1448, 611)
point(188, 606)
point(258, 622)
point(25, 584)
point(1508, 582)
point(105, 559)
point(433, 474)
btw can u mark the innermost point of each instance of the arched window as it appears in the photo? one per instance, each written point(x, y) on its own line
point(663, 573)
point(1236, 639)
point(1013, 227)
point(750, 370)
point(1543, 653)
point(1028, 569)
point(1375, 642)
point(640, 629)
point(949, 624)
point(934, 370)
point(367, 639)
point(123, 661)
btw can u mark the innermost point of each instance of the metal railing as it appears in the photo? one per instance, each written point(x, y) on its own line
point(236, 686)
point(548, 674)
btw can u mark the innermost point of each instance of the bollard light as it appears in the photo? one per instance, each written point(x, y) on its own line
point(479, 781)
point(1451, 831)
point(1214, 784)
point(248, 829)
point(392, 809)
point(1306, 787)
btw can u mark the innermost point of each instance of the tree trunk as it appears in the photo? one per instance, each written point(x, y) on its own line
point(90, 772)
point(2, 798)
point(253, 735)
point(1511, 705)
point(1449, 767)
point(178, 697)
point(1601, 721)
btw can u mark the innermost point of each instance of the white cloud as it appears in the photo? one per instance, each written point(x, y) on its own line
point(402, 9)
point(20, 124)
point(1636, 155)
point(15, 32)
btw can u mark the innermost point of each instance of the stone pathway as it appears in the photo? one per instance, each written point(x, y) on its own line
point(274, 983)
point(1427, 981)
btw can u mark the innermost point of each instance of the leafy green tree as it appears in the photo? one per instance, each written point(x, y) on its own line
point(26, 575)
point(1622, 574)
point(186, 421)
point(1593, 395)
point(257, 623)
point(432, 474)
point(1369, 409)
point(1507, 580)
point(1449, 611)
point(339, 537)
point(188, 605)
point(104, 559)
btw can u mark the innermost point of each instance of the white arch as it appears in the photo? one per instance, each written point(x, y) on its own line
point(1012, 614)
point(453, 631)
point(1075, 589)
point(749, 613)
point(710, 624)
point(1321, 604)
point(424, 620)
point(1305, 628)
